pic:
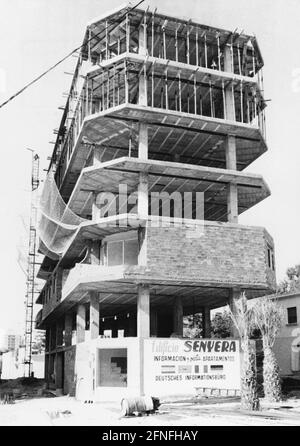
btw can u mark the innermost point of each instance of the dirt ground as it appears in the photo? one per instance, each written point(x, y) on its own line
point(66, 411)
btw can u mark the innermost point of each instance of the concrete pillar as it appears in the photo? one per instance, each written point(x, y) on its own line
point(228, 61)
point(142, 210)
point(142, 78)
point(153, 322)
point(60, 333)
point(206, 323)
point(143, 199)
point(229, 97)
point(234, 295)
point(230, 152)
point(232, 189)
point(51, 369)
point(178, 316)
point(94, 315)
point(59, 371)
point(142, 40)
point(143, 311)
point(142, 206)
point(80, 323)
point(68, 329)
point(52, 337)
point(46, 370)
point(232, 203)
point(132, 326)
point(143, 141)
point(47, 340)
point(143, 327)
point(94, 252)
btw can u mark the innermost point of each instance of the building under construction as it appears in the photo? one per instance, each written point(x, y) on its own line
point(139, 212)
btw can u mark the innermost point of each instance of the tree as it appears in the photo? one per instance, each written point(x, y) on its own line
point(242, 318)
point(268, 317)
point(193, 326)
point(221, 325)
point(291, 284)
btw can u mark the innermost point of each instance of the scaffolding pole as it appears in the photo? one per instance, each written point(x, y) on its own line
point(31, 280)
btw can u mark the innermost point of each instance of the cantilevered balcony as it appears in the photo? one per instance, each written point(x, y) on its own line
point(168, 177)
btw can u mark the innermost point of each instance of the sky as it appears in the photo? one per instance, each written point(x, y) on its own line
point(34, 34)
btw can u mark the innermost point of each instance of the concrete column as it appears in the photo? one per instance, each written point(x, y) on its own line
point(234, 295)
point(68, 329)
point(143, 328)
point(46, 369)
point(96, 213)
point(52, 337)
point(228, 62)
point(232, 203)
point(230, 152)
point(143, 201)
point(97, 158)
point(59, 333)
point(142, 40)
point(232, 190)
point(142, 210)
point(80, 323)
point(59, 371)
point(143, 311)
point(142, 78)
point(132, 326)
point(178, 316)
point(143, 141)
point(95, 252)
point(153, 322)
point(229, 97)
point(206, 323)
point(94, 315)
point(47, 340)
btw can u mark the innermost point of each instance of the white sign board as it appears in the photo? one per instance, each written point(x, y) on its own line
point(176, 366)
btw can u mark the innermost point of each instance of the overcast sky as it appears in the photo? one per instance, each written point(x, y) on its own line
point(34, 34)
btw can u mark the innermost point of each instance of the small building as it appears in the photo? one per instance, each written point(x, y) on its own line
point(9, 340)
point(287, 344)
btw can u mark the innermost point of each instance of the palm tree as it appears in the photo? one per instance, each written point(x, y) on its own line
point(268, 317)
point(242, 319)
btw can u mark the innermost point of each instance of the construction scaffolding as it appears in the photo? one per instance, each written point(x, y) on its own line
point(31, 271)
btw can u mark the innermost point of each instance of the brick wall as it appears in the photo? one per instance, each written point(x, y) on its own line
point(224, 254)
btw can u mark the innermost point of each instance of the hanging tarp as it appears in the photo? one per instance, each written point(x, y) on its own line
point(57, 223)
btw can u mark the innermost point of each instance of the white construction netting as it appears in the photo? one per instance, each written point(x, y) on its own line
point(57, 223)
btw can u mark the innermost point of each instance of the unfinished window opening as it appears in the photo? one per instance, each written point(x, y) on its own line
point(121, 252)
point(112, 367)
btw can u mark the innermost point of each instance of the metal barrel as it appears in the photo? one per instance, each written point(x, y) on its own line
point(136, 404)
